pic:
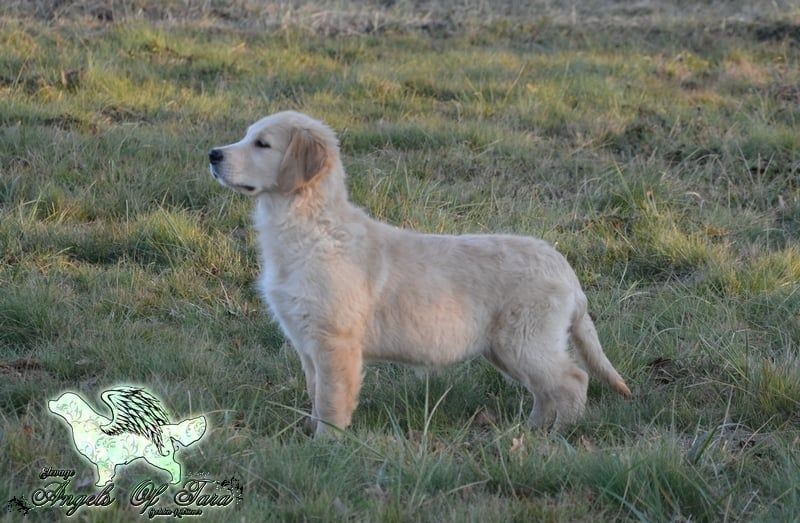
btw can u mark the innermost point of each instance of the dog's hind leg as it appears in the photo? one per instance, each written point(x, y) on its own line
point(169, 464)
point(558, 386)
point(531, 347)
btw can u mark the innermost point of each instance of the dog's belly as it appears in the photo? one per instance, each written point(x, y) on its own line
point(426, 332)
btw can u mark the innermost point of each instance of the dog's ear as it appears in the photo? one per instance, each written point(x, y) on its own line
point(306, 158)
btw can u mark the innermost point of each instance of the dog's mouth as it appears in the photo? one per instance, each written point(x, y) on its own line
point(222, 181)
point(215, 174)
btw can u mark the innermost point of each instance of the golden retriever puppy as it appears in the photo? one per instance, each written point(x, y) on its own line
point(347, 289)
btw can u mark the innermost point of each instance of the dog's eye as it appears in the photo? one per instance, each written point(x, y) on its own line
point(261, 143)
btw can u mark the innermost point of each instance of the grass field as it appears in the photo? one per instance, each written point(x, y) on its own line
point(657, 145)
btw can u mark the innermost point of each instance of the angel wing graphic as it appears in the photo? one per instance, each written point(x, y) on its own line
point(136, 411)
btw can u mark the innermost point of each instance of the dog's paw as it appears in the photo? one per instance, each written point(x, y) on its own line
point(310, 426)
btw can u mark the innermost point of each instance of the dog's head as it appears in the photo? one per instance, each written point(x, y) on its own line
point(69, 406)
point(281, 153)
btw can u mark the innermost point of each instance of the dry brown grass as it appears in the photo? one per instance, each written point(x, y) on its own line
point(446, 17)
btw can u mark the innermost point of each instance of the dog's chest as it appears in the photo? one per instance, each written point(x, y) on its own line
point(292, 294)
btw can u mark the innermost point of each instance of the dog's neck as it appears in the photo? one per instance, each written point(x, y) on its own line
point(304, 210)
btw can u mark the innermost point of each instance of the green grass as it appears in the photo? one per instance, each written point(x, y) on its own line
point(658, 147)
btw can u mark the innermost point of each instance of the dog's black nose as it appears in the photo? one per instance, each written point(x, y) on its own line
point(215, 156)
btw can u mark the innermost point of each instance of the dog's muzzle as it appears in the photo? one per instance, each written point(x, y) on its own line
point(215, 157)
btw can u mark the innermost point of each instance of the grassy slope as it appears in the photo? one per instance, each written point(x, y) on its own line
point(657, 148)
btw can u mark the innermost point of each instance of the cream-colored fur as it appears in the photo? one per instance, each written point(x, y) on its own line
point(347, 289)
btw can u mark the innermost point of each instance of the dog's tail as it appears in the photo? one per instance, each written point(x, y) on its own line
point(186, 432)
point(591, 352)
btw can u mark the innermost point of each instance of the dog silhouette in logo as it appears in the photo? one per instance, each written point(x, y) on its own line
point(139, 428)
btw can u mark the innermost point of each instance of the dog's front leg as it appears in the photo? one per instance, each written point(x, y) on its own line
point(311, 386)
point(338, 363)
point(105, 472)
